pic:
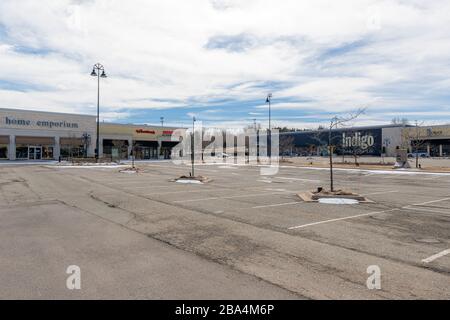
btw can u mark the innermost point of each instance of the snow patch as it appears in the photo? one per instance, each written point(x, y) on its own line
point(189, 181)
point(338, 201)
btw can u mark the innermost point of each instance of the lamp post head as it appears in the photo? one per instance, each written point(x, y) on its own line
point(93, 73)
point(103, 75)
point(269, 97)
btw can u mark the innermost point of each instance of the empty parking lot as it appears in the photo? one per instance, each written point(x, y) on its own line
point(242, 235)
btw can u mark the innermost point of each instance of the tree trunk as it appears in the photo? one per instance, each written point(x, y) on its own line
point(330, 151)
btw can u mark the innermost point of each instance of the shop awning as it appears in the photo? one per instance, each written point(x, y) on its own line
point(150, 144)
point(71, 141)
point(35, 140)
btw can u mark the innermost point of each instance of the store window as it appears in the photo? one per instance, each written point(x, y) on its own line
point(21, 152)
point(116, 149)
point(144, 150)
point(72, 148)
point(47, 152)
point(3, 152)
point(4, 142)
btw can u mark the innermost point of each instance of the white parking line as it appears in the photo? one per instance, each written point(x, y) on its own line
point(365, 214)
point(381, 192)
point(339, 219)
point(428, 202)
point(436, 256)
point(298, 179)
point(277, 205)
point(179, 168)
point(232, 197)
point(426, 210)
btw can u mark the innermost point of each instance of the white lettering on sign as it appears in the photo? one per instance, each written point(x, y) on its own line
point(41, 123)
point(358, 140)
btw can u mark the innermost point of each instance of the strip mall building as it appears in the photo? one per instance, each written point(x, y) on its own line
point(32, 135)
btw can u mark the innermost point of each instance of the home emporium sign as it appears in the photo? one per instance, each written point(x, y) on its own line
point(11, 121)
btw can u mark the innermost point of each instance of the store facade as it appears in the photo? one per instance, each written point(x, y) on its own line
point(121, 141)
point(370, 141)
point(432, 140)
point(32, 135)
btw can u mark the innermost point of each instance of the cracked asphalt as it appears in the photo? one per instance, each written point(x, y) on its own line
point(240, 236)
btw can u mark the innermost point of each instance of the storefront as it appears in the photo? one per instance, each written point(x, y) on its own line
point(34, 148)
point(433, 141)
point(122, 141)
point(4, 144)
point(144, 150)
point(32, 135)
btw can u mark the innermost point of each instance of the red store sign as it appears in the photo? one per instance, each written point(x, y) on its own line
point(145, 131)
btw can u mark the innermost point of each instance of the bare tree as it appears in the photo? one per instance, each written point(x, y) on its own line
point(120, 146)
point(86, 138)
point(336, 122)
point(356, 151)
point(286, 143)
point(400, 121)
point(357, 145)
point(415, 139)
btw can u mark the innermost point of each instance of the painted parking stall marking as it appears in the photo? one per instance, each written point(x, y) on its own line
point(436, 256)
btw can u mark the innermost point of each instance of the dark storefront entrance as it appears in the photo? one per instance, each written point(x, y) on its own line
point(144, 150)
point(166, 148)
point(34, 148)
point(436, 147)
point(4, 143)
point(115, 149)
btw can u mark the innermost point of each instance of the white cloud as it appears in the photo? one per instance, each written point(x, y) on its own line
point(336, 55)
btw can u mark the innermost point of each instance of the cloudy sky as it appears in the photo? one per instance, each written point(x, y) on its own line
point(217, 59)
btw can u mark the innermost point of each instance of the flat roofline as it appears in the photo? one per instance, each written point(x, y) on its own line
point(90, 116)
point(48, 112)
point(139, 125)
point(350, 128)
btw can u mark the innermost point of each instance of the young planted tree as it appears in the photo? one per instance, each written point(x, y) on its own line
point(415, 138)
point(286, 144)
point(354, 148)
point(335, 123)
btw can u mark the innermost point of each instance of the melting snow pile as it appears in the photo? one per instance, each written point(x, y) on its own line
point(338, 201)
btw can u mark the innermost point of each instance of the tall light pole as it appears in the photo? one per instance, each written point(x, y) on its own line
point(192, 145)
point(162, 121)
point(268, 100)
point(96, 73)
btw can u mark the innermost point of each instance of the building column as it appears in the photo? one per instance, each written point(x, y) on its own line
point(100, 147)
point(158, 150)
point(440, 150)
point(12, 147)
point(57, 148)
point(428, 149)
point(130, 148)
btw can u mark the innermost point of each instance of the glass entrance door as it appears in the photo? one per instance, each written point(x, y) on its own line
point(34, 153)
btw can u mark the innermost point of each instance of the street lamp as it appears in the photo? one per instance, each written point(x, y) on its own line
point(162, 121)
point(268, 100)
point(96, 73)
point(192, 145)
